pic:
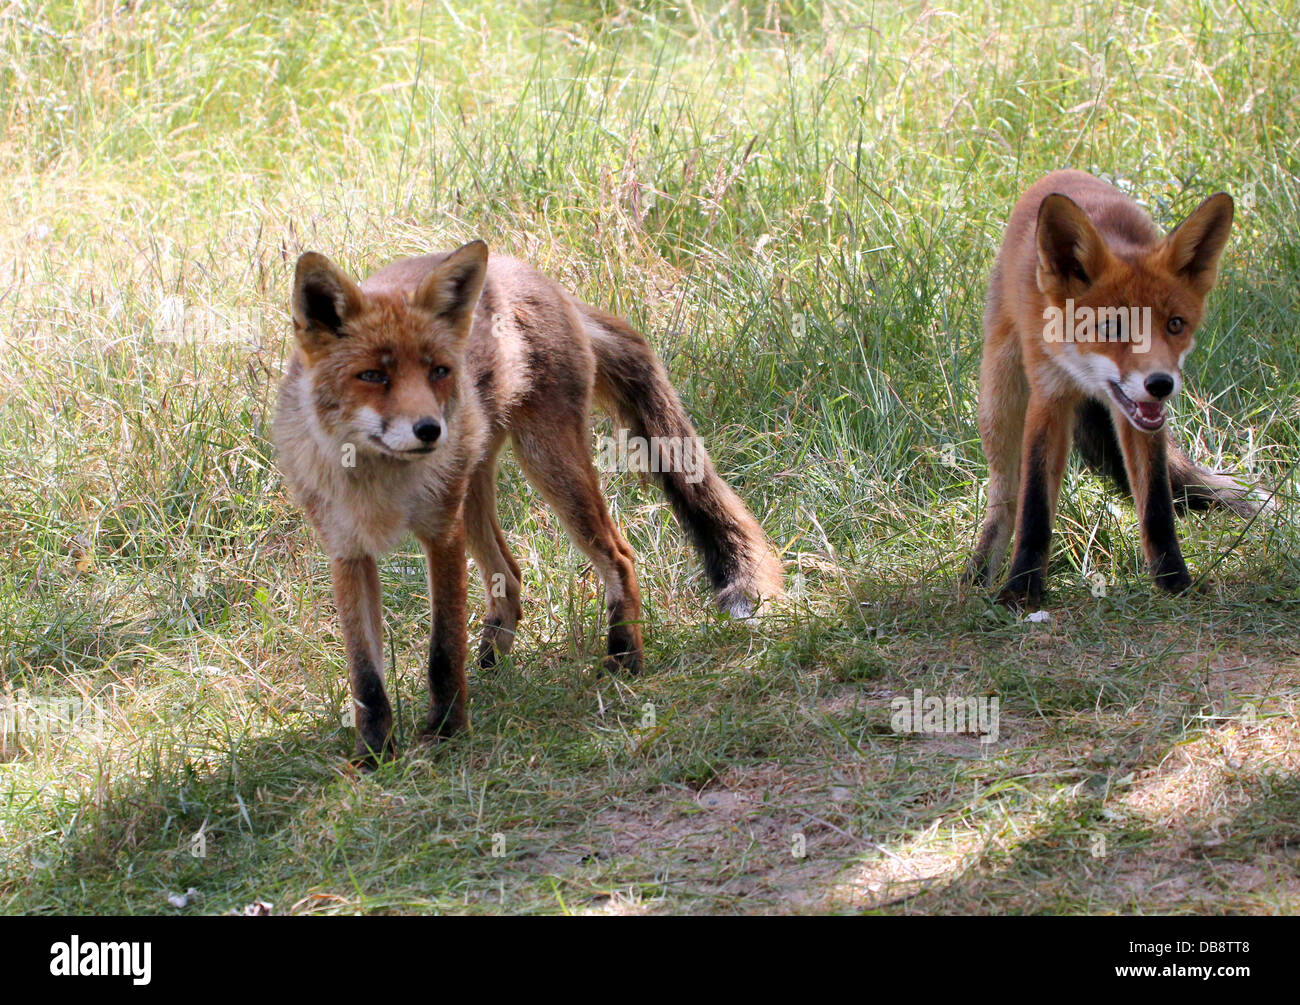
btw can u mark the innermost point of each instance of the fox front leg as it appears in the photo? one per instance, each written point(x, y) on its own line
point(357, 596)
point(1146, 459)
point(448, 689)
point(1046, 446)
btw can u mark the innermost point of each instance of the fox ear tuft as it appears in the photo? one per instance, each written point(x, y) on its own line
point(1196, 244)
point(452, 289)
point(324, 300)
point(1071, 253)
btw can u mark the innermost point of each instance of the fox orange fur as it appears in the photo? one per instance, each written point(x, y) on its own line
point(394, 408)
point(1078, 248)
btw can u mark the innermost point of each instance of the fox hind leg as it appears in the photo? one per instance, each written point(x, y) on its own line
point(502, 578)
point(558, 462)
point(1004, 394)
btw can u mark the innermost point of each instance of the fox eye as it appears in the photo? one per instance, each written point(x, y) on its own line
point(1175, 325)
point(440, 372)
point(373, 376)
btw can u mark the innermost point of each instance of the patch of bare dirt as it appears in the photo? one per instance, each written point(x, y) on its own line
point(759, 837)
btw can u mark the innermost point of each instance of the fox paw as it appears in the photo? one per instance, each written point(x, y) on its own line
point(495, 641)
point(442, 723)
point(366, 760)
point(629, 663)
point(1179, 582)
point(1019, 599)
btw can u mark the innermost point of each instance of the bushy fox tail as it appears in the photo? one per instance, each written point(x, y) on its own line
point(1193, 487)
point(633, 387)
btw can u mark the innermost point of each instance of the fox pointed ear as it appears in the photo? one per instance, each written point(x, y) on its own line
point(452, 289)
point(1071, 253)
point(324, 299)
point(1195, 245)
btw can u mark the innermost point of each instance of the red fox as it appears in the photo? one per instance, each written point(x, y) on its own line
point(1091, 313)
point(398, 399)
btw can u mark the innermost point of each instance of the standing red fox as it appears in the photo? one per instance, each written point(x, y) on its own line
point(1091, 312)
point(393, 410)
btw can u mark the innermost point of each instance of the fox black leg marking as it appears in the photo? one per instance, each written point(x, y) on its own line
point(374, 715)
point(1163, 551)
point(1048, 428)
point(1034, 534)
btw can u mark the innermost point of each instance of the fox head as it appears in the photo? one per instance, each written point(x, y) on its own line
point(1135, 307)
point(384, 369)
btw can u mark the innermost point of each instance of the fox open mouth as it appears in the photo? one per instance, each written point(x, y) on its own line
point(1147, 416)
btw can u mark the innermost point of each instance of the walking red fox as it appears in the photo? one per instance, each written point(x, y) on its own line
point(395, 405)
point(1090, 315)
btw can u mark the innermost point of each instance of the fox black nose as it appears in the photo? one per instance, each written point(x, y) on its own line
point(426, 430)
point(1158, 385)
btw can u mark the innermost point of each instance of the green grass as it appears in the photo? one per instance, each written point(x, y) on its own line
point(799, 203)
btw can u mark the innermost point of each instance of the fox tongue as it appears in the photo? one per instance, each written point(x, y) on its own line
point(1152, 411)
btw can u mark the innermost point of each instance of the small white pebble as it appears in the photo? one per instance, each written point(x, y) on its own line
point(1039, 616)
